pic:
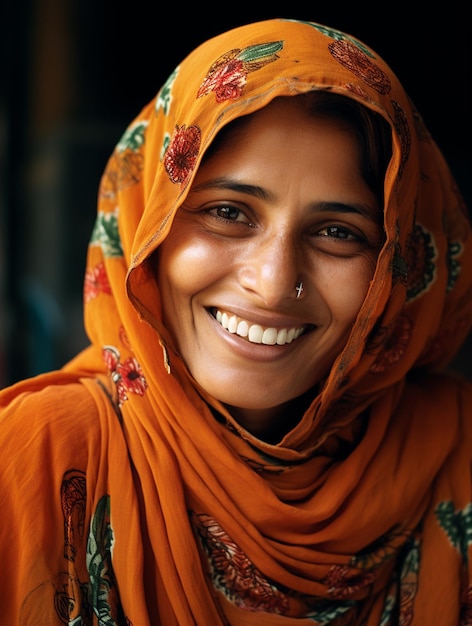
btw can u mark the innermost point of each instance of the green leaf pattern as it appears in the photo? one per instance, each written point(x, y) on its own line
point(133, 137)
point(454, 251)
point(106, 234)
point(457, 525)
point(164, 97)
point(259, 51)
point(99, 548)
point(337, 35)
point(407, 581)
point(325, 616)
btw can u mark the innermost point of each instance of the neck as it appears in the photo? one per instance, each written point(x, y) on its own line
point(271, 424)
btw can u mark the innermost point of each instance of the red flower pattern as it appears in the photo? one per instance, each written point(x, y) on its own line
point(408, 592)
point(124, 169)
point(227, 76)
point(111, 357)
point(131, 376)
point(234, 574)
point(421, 258)
point(466, 604)
point(341, 582)
point(395, 347)
point(226, 79)
point(181, 155)
point(96, 281)
point(356, 60)
point(127, 376)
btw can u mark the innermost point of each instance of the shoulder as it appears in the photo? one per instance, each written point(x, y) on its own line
point(438, 405)
point(443, 390)
point(46, 414)
point(442, 405)
point(48, 393)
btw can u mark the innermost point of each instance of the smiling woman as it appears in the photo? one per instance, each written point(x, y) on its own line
point(283, 198)
point(279, 274)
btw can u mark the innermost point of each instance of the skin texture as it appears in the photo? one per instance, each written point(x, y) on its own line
point(279, 202)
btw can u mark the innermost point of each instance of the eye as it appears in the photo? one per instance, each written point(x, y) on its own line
point(229, 213)
point(338, 232)
point(226, 212)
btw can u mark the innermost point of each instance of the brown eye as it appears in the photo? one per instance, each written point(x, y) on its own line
point(227, 212)
point(337, 232)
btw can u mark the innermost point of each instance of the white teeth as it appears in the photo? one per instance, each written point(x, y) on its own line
point(282, 337)
point(269, 337)
point(232, 324)
point(256, 333)
point(243, 329)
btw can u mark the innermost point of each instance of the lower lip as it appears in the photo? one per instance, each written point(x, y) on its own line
point(253, 351)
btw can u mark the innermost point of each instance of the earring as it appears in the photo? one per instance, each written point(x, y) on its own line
point(299, 289)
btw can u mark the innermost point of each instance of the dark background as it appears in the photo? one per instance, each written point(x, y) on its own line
point(74, 74)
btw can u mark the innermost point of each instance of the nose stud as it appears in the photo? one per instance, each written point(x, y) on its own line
point(299, 289)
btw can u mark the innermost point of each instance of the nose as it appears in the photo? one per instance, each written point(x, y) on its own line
point(272, 269)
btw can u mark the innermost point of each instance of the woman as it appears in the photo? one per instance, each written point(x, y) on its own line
point(259, 432)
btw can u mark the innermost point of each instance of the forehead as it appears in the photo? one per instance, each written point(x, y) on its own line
point(286, 160)
point(287, 115)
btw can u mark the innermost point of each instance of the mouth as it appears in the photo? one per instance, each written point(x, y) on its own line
point(254, 333)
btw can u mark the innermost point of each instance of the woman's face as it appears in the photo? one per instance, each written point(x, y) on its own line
point(281, 201)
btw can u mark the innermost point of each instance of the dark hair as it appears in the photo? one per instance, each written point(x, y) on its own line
point(373, 133)
point(372, 130)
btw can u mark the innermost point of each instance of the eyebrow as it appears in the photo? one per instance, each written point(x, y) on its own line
point(233, 185)
point(223, 182)
point(359, 209)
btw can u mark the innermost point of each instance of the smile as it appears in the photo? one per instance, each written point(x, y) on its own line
point(255, 333)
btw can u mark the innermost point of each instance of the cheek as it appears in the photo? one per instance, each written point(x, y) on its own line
point(184, 267)
point(346, 288)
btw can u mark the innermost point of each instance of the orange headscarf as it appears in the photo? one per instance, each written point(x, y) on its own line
point(129, 496)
